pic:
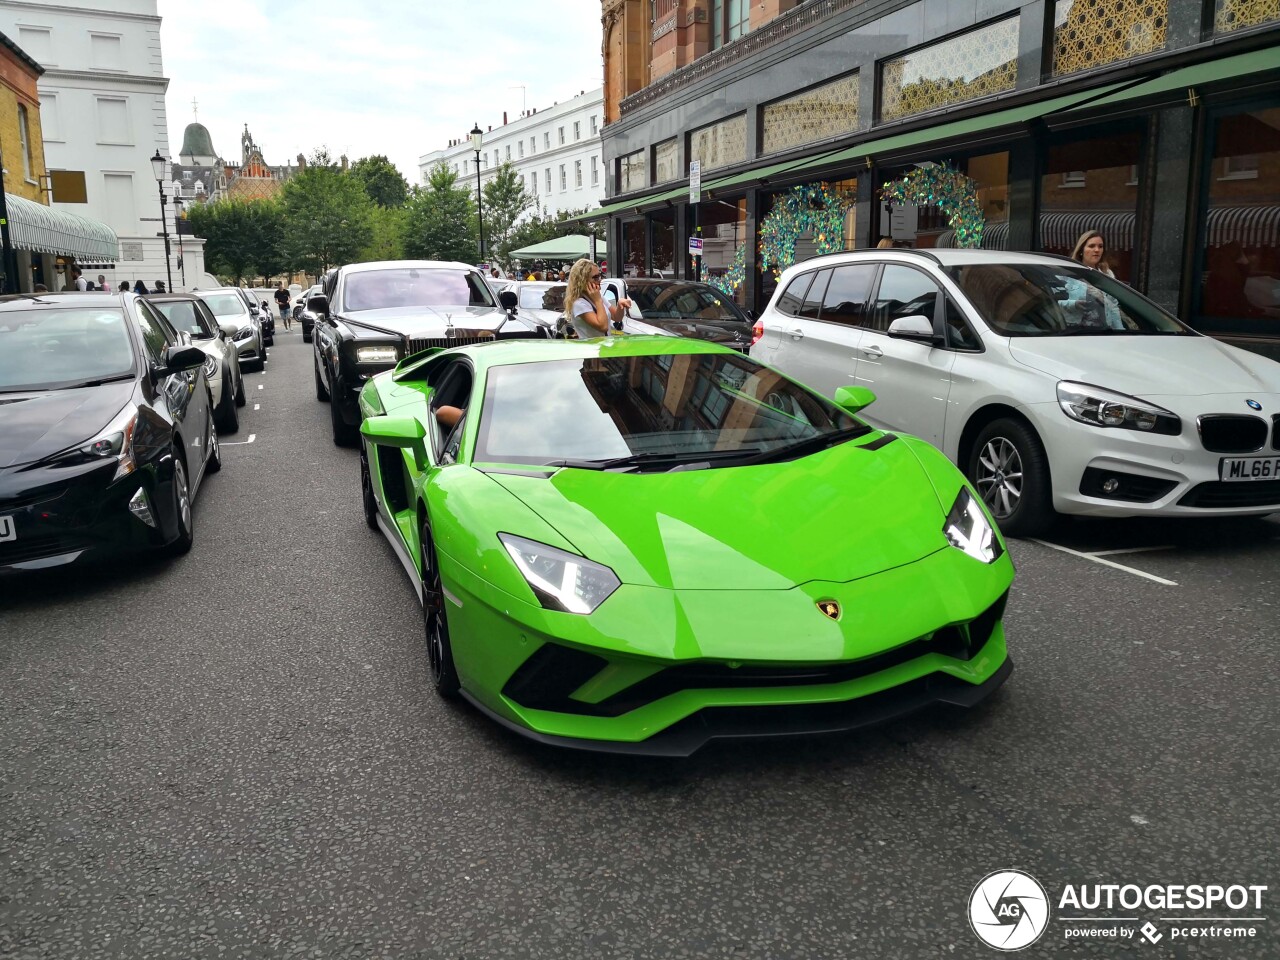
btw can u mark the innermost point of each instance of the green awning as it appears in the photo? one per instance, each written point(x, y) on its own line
point(573, 247)
point(611, 208)
point(41, 229)
point(1212, 71)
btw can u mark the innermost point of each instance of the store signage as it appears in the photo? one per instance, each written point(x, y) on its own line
point(695, 181)
point(695, 246)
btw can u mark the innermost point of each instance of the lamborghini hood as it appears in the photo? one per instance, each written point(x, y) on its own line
point(839, 515)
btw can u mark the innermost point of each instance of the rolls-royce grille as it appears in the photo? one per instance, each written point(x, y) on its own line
point(1228, 433)
point(417, 345)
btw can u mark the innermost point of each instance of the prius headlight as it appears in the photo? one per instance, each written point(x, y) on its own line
point(561, 580)
point(114, 442)
point(1104, 408)
point(968, 529)
point(375, 354)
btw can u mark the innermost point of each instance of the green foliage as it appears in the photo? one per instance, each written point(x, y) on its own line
point(265, 235)
point(329, 218)
point(505, 201)
point(440, 219)
point(381, 181)
point(227, 227)
point(388, 225)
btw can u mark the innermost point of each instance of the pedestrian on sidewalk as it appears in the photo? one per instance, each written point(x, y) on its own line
point(282, 301)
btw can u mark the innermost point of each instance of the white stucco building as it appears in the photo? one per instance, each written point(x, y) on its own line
point(102, 107)
point(556, 151)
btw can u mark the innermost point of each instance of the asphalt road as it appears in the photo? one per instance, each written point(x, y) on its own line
point(237, 754)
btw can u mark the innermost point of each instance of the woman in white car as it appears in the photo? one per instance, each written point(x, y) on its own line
point(1091, 306)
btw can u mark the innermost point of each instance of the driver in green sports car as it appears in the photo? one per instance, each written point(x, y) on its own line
point(644, 545)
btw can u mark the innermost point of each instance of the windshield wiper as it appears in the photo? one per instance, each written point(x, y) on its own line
point(1091, 332)
point(808, 445)
point(636, 460)
point(97, 383)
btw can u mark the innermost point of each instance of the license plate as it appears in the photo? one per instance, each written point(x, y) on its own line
point(1249, 468)
point(7, 531)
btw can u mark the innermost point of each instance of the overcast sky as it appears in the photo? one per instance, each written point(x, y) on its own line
point(369, 77)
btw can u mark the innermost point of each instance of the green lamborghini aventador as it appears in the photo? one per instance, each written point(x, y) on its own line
point(641, 544)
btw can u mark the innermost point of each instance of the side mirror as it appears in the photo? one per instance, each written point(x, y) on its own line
point(854, 399)
point(179, 358)
point(916, 327)
point(508, 299)
point(264, 304)
point(222, 333)
point(403, 432)
point(319, 305)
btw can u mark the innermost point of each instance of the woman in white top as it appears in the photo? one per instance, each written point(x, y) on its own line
point(585, 309)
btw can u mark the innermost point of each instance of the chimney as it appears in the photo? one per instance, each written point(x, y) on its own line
point(504, 118)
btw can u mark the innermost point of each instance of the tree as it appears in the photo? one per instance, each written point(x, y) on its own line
point(388, 225)
point(329, 218)
point(265, 238)
point(544, 226)
point(505, 201)
point(440, 219)
point(225, 226)
point(381, 181)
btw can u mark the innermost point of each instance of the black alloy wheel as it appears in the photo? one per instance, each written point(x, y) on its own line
point(322, 392)
point(1010, 470)
point(181, 488)
point(366, 493)
point(227, 419)
point(240, 397)
point(214, 463)
point(435, 624)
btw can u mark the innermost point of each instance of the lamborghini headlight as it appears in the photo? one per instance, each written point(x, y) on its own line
point(561, 580)
point(1104, 408)
point(376, 354)
point(968, 529)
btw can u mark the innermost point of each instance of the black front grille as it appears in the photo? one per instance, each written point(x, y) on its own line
point(1230, 433)
point(1133, 487)
point(1245, 493)
point(429, 343)
point(39, 547)
point(548, 678)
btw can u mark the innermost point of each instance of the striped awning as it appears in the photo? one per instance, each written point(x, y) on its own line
point(1062, 230)
point(995, 236)
point(1250, 226)
point(41, 229)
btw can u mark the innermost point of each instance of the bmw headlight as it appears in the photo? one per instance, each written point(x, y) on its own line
point(380, 354)
point(561, 580)
point(967, 528)
point(115, 440)
point(210, 367)
point(1103, 408)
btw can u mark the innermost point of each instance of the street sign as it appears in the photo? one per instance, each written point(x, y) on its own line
point(695, 181)
point(695, 246)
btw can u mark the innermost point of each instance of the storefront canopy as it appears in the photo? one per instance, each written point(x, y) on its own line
point(41, 229)
point(1214, 71)
point(573, 247)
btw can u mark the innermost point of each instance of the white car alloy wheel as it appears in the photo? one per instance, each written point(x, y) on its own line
point(999, 477)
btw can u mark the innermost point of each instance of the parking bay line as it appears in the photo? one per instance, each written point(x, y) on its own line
point(239, 443)
point(1111, 553)
point(1106, 563)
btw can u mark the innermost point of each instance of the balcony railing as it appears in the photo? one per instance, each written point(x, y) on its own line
point(806, 15)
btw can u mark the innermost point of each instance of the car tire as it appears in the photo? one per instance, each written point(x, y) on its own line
point(344, 435)
point(366, 493)
point(180, 485)
point(306, 337)
point(435, 622)
point(214, 463)
point(240, 397)
point(322, 392)
point(1010, 470)
point(226, 419)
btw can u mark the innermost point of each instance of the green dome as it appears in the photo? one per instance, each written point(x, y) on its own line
point(197, 143)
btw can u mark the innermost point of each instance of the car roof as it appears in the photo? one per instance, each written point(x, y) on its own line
point(17, 301)
point(938, 256)
point(174, 295)
point(404, 264)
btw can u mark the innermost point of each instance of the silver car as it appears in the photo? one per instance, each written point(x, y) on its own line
point(240, 324)
point(189, 314)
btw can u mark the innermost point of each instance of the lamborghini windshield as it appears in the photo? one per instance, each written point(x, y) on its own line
point(652, 412)
point(415, 287)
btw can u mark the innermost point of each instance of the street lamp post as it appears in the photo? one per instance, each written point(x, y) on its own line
point(476, 137)
point(158, 165)
point(177, 232)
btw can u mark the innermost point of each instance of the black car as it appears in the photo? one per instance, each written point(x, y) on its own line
point(305, 314)
point(373, 315)
point(106, 429)
point(682, 308)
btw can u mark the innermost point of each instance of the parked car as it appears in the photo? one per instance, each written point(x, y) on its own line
point(539, 300)
point(240, 322)
point(376, 314)
point(189, 314)
point(681, 308)
point(260, 300)
point(642, 544)
point(1056, 388)
point(106, 429)
point(304, 314)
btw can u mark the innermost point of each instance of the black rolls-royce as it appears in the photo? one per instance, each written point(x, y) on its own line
point(373, 315)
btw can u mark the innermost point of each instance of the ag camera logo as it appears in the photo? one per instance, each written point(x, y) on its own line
point(1008, 910)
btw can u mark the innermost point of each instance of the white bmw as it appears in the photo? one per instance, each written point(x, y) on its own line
point(1054, 387)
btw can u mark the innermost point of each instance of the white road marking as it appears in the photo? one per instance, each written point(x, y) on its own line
point(241, 443)
point(1109, 553)
point(257, 406)
point(259, 386)
point(1105, 563)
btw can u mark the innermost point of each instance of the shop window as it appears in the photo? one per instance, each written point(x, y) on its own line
point(666, 161)
point(806, 244)
point(1102, 175)
point(975, 64)
point(633, 258)
point(724, 232)
point(663, 262)
point(1231, 15)
point(720, 144)
point(818, 114)
point(925, 225)
point(1240, 265)
point(1092, 33)
point(633, 172)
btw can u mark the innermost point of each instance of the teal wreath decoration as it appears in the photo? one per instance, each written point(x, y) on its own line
point(944, 187)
